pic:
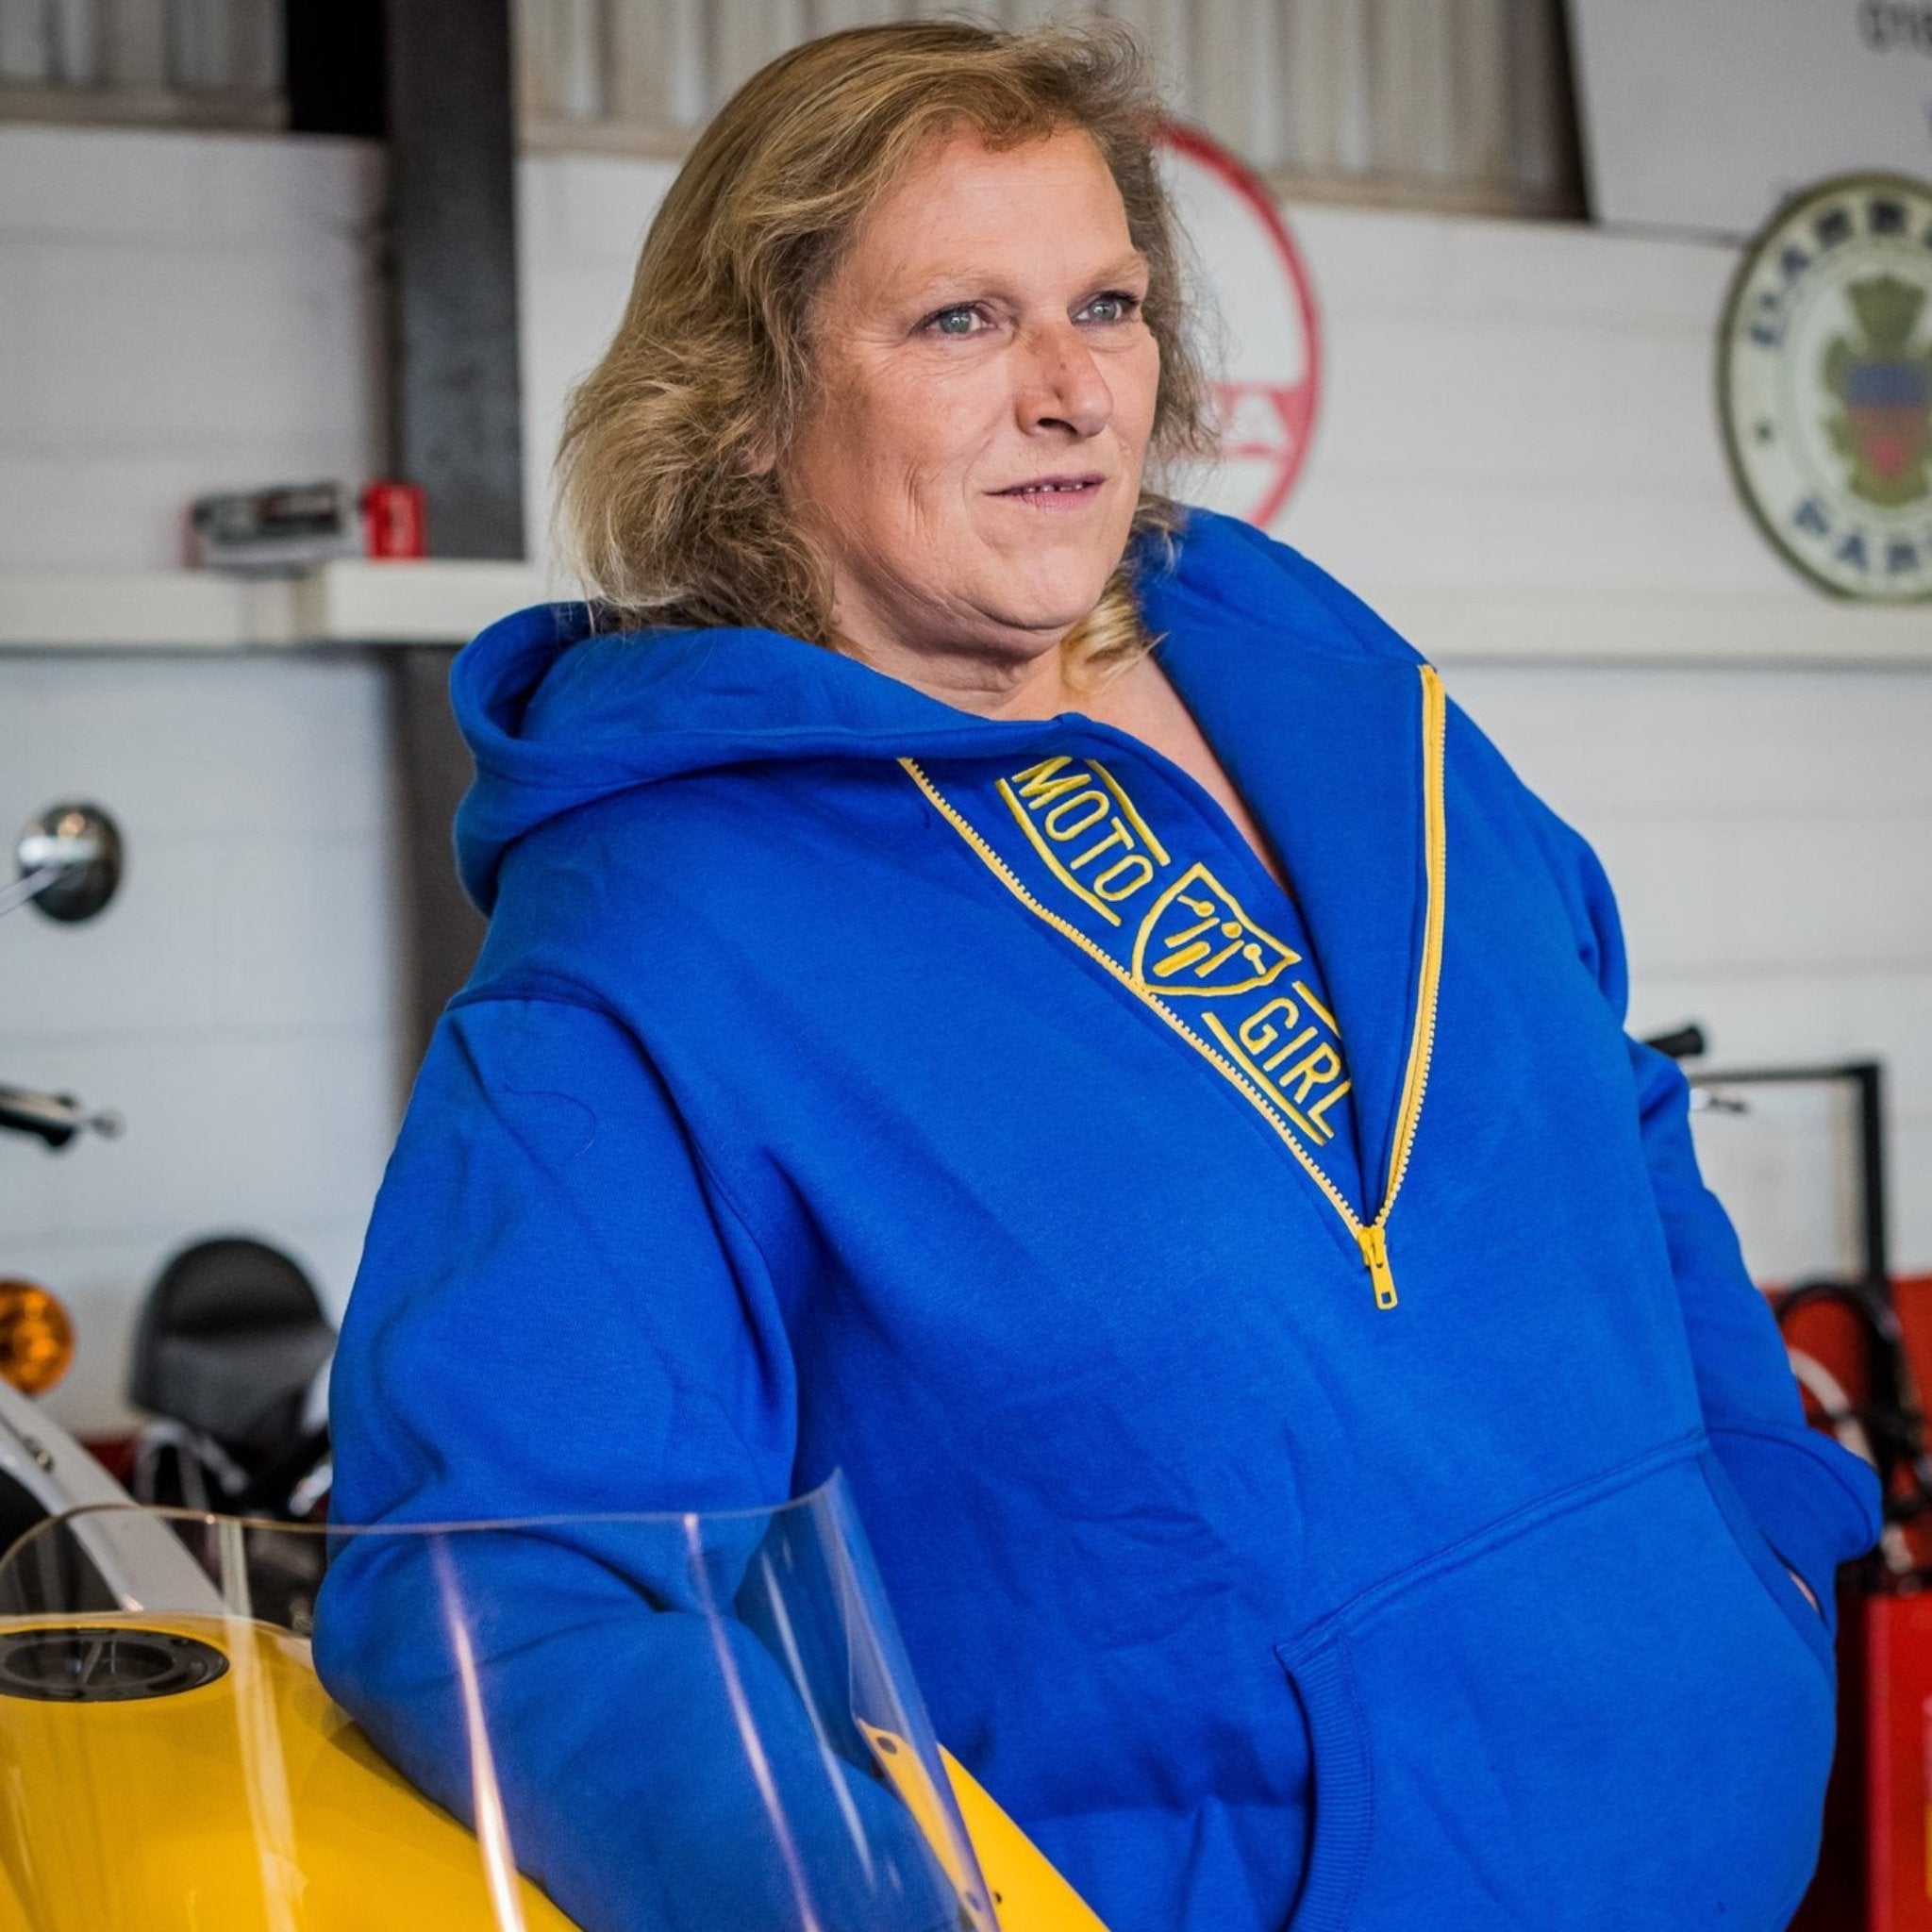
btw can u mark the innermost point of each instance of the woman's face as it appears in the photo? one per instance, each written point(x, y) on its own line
point(986, 388)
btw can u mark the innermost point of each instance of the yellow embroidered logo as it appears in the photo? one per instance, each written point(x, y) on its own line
point(1081, 822)
point(1289, 1046)
point(1196, 940)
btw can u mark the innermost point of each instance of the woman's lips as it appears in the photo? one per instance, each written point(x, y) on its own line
point(1055, 492)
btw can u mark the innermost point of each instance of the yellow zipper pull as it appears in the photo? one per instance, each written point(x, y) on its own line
point(1375, 1247)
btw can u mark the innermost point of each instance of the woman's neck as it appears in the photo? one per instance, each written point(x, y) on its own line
point(987, 685)
point(1135, 697)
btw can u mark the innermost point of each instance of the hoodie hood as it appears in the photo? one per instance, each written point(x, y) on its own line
point(557, 716)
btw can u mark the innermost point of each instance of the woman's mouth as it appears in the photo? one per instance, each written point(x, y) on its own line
point(1056, 492)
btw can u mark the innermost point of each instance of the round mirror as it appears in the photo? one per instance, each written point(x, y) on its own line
point(80, 846)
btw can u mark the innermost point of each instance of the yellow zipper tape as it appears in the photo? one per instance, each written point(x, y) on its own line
point(1421, 1047)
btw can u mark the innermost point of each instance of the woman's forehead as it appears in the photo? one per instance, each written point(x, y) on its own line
point(964, 207)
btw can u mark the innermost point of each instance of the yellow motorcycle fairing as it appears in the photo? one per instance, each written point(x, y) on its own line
point(252, 1803)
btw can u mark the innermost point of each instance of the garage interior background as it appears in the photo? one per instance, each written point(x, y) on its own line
point(1517, 458)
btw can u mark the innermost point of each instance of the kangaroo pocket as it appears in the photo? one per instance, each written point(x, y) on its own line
point(1614, 1710)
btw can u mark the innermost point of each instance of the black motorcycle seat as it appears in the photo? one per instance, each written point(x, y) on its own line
point(241, 1388)
point(230, 1337)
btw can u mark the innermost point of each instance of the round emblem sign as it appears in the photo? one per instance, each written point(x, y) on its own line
point(1825, 384)
point(1256, 282)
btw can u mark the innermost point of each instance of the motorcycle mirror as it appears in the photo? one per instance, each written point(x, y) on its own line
point(69, 861)
point(36, 1337)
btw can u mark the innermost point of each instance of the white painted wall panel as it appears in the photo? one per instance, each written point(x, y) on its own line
point(1510, 403)
point(237, 1001)
point(285, 1125)
point(581, 221)
point(1704, 117)
point(267, 746)
point(1713, 743)
point(184, 313)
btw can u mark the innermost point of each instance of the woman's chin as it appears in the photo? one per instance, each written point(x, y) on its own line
point(1032, 631)
point(1036, 603)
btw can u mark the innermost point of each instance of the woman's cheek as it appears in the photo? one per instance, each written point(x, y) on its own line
point(1144, 391)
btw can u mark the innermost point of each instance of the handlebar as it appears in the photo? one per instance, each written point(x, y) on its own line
point(55, 1117)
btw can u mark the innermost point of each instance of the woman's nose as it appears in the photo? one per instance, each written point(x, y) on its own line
point(1062, 385)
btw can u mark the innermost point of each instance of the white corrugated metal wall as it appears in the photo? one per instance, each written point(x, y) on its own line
point(1432, 103)
point(1424, 101)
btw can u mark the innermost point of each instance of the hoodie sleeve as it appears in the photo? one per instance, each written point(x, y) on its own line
point(1816, 1504)
point(558, 1316)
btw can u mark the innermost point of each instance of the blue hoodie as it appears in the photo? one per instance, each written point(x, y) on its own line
point(1328, 1461)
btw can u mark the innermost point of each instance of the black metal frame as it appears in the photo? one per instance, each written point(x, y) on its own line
point(1866, 1078)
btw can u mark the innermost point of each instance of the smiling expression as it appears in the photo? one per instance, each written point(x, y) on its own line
point(986, 392)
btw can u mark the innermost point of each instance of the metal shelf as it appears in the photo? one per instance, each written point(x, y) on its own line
point(351, 602)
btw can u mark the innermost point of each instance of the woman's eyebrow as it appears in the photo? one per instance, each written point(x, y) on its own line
point(964, 283)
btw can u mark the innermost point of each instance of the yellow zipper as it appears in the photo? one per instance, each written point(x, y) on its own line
point(1373, 1243)
point(1371, 1237)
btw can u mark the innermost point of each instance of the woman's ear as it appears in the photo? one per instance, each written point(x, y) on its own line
point(760, 449)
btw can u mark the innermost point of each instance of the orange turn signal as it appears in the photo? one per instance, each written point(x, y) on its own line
point(36, 1337)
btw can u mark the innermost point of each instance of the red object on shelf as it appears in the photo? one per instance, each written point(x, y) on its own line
point(392, 519)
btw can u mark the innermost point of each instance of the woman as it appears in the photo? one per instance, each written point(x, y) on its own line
point(1157, 1117)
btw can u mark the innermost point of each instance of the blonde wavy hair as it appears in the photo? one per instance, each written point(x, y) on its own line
point(665, 511)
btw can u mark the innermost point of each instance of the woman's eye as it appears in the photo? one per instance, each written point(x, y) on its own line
point(1118, 306)
point(955, 322)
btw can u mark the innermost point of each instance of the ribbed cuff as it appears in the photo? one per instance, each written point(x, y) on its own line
point(1818, 1505)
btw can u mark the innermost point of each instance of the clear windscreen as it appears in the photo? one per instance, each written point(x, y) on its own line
point(628, 1724)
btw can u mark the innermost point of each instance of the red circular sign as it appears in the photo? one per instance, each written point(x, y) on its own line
point(1266, 393)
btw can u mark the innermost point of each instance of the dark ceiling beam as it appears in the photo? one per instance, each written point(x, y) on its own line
point(456, 411)
point(332, 54)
